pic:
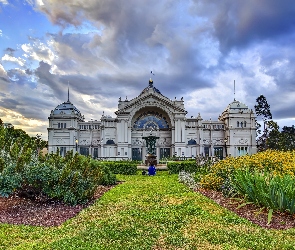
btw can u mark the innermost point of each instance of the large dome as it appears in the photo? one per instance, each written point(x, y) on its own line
point(67, 108)
point(236, 105)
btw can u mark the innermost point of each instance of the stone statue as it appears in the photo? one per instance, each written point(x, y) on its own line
point(151, 144)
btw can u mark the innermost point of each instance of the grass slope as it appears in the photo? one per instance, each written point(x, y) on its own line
point(149, 213)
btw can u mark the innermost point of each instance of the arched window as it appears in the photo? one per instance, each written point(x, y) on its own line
point(151, 120)
point(238, 124)
point(191, 142)
point(110, 142)
point(245, 123)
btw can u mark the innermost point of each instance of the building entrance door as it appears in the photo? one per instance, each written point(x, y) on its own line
point(136, 154)
point(218, 152)
point(164, 153)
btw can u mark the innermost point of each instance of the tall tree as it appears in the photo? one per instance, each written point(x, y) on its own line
point(288, 138)
point(273, 136)
point(262, 109)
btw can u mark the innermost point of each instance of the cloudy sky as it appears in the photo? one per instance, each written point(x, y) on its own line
point(106, 49)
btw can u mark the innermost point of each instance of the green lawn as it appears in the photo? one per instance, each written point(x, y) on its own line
point(149, 213)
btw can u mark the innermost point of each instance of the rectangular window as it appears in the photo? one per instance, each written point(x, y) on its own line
point(164, 153)
point(65, 125)
point(58, 125)
point(62, 151)
point(206, 151)
point(95, 153)
point(242, 151)
point(84, 150)
point(218, 152)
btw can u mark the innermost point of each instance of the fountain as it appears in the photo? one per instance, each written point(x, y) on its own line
point(151, 158)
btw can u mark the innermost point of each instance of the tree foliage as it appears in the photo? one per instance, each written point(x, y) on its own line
point(272, 137)
point(282, 140)
point(262, 110)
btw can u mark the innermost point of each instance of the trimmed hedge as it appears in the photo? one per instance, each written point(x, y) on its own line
point(122, 167)
point(175, 167)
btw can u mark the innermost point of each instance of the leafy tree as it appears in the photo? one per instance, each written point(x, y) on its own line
point(262, 109)
point(39, 143)
point(273, 136)
point(288, 138)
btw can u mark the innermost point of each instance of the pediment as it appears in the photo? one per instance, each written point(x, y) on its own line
point(151, 100)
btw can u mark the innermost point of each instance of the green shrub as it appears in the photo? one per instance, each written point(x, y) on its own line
point(175, 167)
point(10, 180)
point(108, 178)
point(72, 179)
point(77, 181)
point(42, 177)
point(122, 167)
point(199, 165)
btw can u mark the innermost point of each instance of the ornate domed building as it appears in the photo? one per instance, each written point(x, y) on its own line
point(152, 114)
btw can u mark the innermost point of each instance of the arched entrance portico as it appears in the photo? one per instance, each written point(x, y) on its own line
point(151, 121)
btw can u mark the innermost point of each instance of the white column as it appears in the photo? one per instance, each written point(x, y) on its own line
point(183, 131)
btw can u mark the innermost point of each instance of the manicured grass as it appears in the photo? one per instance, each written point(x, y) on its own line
point(149, 213)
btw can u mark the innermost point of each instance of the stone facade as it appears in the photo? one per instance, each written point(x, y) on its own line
point(151, 113)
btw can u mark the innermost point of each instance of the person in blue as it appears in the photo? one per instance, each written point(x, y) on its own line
point(152, 170)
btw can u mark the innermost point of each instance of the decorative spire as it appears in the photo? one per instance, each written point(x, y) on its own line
point(151, 81)
point(234, 90)
point(68, 92)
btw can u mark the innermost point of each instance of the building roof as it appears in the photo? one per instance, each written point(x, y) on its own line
point(237, 105)
point(151, 86)
point(67, 108)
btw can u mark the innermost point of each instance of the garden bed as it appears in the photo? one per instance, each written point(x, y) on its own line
point(251, 212)
point(41, 211)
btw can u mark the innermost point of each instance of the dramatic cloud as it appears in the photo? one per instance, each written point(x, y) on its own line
point(106, 49)
point(239, 23)
point(2, 71)
point(38, 51)
point(9, 58)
